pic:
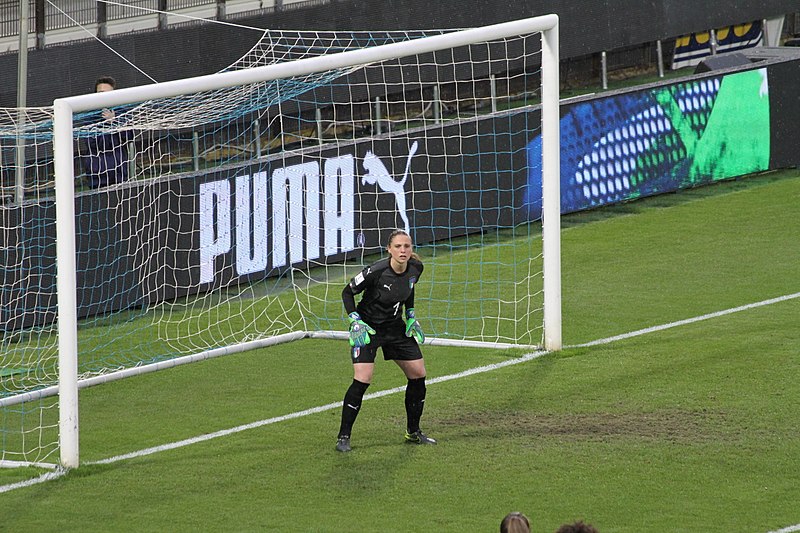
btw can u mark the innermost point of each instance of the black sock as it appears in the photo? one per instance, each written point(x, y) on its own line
point(351, 405)
point(415, 402)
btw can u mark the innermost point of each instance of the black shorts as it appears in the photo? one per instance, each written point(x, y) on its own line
point(391, 338)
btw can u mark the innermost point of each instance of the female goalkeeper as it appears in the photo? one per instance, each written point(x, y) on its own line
point(377, 322)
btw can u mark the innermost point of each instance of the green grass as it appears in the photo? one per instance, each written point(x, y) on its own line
point(690, 429)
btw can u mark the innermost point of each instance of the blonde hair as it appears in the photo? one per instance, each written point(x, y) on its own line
point(515, 523)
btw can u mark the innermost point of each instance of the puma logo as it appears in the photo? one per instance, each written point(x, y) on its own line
point(388, 287)
point(376, 172)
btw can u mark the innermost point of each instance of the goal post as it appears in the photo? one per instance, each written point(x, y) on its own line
point(215, 203)
point(551, 189)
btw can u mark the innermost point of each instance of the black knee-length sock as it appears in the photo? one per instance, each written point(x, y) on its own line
point(415, 402)
point(351, 406)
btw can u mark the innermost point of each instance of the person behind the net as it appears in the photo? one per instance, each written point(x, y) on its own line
point(384, 318)
point(106, 160)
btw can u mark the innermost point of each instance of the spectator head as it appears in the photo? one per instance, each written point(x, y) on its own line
point(515, 523)
point(104, 84)
point(577, 527)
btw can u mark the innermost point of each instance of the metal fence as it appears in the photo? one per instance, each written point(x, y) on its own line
point(48, 15)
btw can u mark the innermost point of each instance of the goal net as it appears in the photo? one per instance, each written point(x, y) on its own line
point(200, 217)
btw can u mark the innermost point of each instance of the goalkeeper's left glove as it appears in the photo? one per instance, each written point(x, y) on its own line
point(413, 327)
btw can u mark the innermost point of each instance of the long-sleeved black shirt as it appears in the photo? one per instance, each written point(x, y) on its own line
point(385, 291)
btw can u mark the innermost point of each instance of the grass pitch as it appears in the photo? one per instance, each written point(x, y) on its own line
point(692, 428)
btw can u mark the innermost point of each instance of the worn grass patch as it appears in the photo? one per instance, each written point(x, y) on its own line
point(664, 426)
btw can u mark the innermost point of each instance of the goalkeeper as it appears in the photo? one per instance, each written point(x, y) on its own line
point(378, 322)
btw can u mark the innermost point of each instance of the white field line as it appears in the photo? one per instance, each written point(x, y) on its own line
point(688, 321)
point(47, 476)
point(478, 370)
point(788, 529)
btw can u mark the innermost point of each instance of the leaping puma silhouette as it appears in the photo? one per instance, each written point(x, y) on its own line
point(376, 172)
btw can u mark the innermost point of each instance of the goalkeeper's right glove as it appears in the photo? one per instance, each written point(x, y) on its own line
point(359, 330)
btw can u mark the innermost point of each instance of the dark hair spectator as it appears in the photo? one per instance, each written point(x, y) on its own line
point(105, 80)
point(105, 156)
point(577, 527)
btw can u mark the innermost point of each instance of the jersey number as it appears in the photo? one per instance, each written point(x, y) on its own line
point(396, 308)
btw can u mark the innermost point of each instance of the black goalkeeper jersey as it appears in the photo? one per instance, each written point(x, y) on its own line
point(385, 291)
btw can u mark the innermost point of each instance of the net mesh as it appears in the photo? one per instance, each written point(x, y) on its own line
point(217, 218)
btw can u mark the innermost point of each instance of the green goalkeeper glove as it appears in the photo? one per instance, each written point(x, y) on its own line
point(413, 327)
point(359, 331)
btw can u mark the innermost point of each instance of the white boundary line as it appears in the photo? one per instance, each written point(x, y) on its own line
point(688, 321)
point(789, 529)
point(441, 379)
point(47, 476)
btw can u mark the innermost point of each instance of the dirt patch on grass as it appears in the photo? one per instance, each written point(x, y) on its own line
point(673, 425)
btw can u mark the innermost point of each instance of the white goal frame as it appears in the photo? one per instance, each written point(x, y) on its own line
point(65, 108)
